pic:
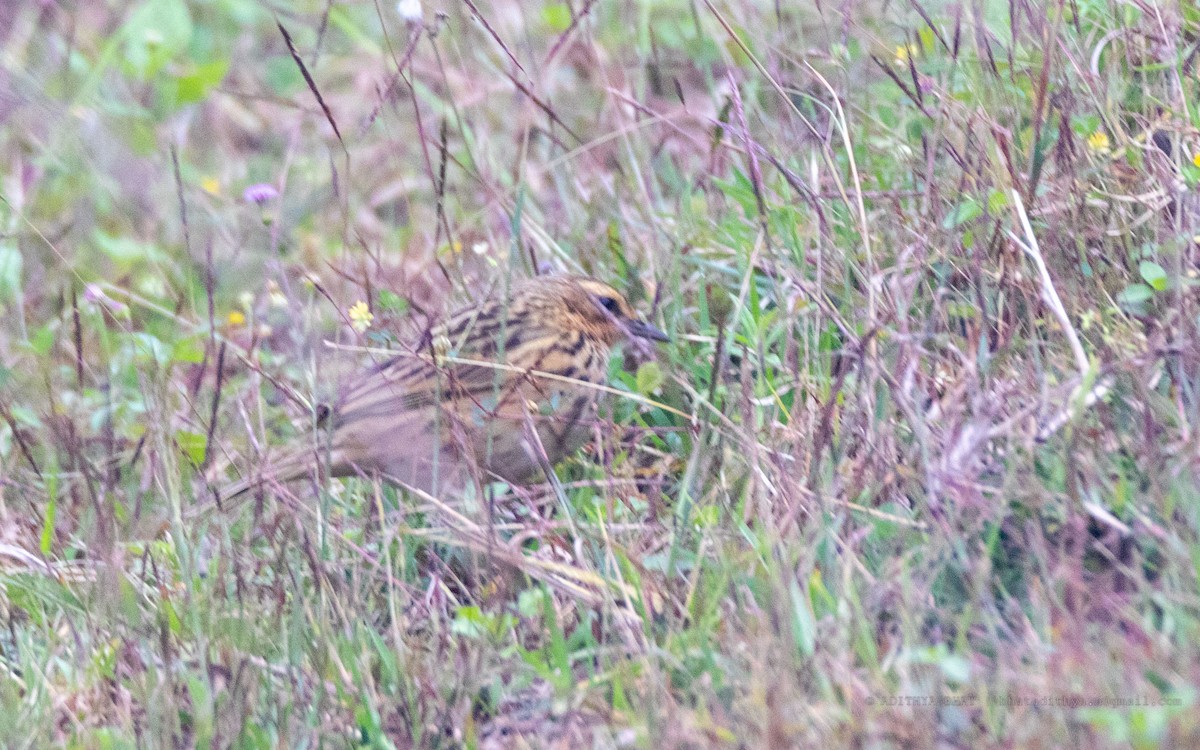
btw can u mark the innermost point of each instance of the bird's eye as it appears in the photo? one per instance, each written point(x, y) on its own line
point(610, 304)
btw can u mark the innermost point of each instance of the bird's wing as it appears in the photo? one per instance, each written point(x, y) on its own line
point(411, 386)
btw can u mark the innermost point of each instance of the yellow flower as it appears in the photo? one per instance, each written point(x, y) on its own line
point(1196, 159)
point(235, 318)
point(1098, 142)
point(904, 53)
point(211, 185)
point(360, 316)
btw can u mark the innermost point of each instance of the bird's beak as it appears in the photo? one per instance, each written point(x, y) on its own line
point(642, 329)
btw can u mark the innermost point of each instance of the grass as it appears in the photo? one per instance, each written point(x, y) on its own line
point(917, 469)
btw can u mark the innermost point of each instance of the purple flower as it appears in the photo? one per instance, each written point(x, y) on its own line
point(260, 193)
point(93, 293)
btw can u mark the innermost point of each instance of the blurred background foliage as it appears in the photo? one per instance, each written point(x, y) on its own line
point(918, 468)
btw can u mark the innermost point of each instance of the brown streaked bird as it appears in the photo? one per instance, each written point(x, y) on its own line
point(489, 380)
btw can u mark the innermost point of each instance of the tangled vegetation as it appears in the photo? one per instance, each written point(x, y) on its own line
point(917, 469)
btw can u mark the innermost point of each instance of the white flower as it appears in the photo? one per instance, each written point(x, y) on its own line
point(409, 10)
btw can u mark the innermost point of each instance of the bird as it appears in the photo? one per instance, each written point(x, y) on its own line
point(501, 390)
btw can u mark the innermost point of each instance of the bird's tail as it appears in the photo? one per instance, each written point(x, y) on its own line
point(287, 468)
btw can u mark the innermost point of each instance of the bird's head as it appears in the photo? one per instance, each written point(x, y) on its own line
point(600, 310)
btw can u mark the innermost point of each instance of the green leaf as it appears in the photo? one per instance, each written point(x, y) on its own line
point(531, 602)
point(192, 444)
point(188, 350)
point(1153, 274)
point(26, 416)
point(649, 378)
point(804, 625)
point(739, 188)
point(390, 301)
point(706, 517)
point(194, 86)
point(127, 251)
point(470, 622)
point(281, 75)
point(1085, 125)
point(42, 340)
point(174, 624)
point(46, 541)
point(10, 273)
point(1191, 174)
point(966, 211)
point(144, 345)
point(155, 33)
point(557, 16)
point(1135, 294)
point(997, 201)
